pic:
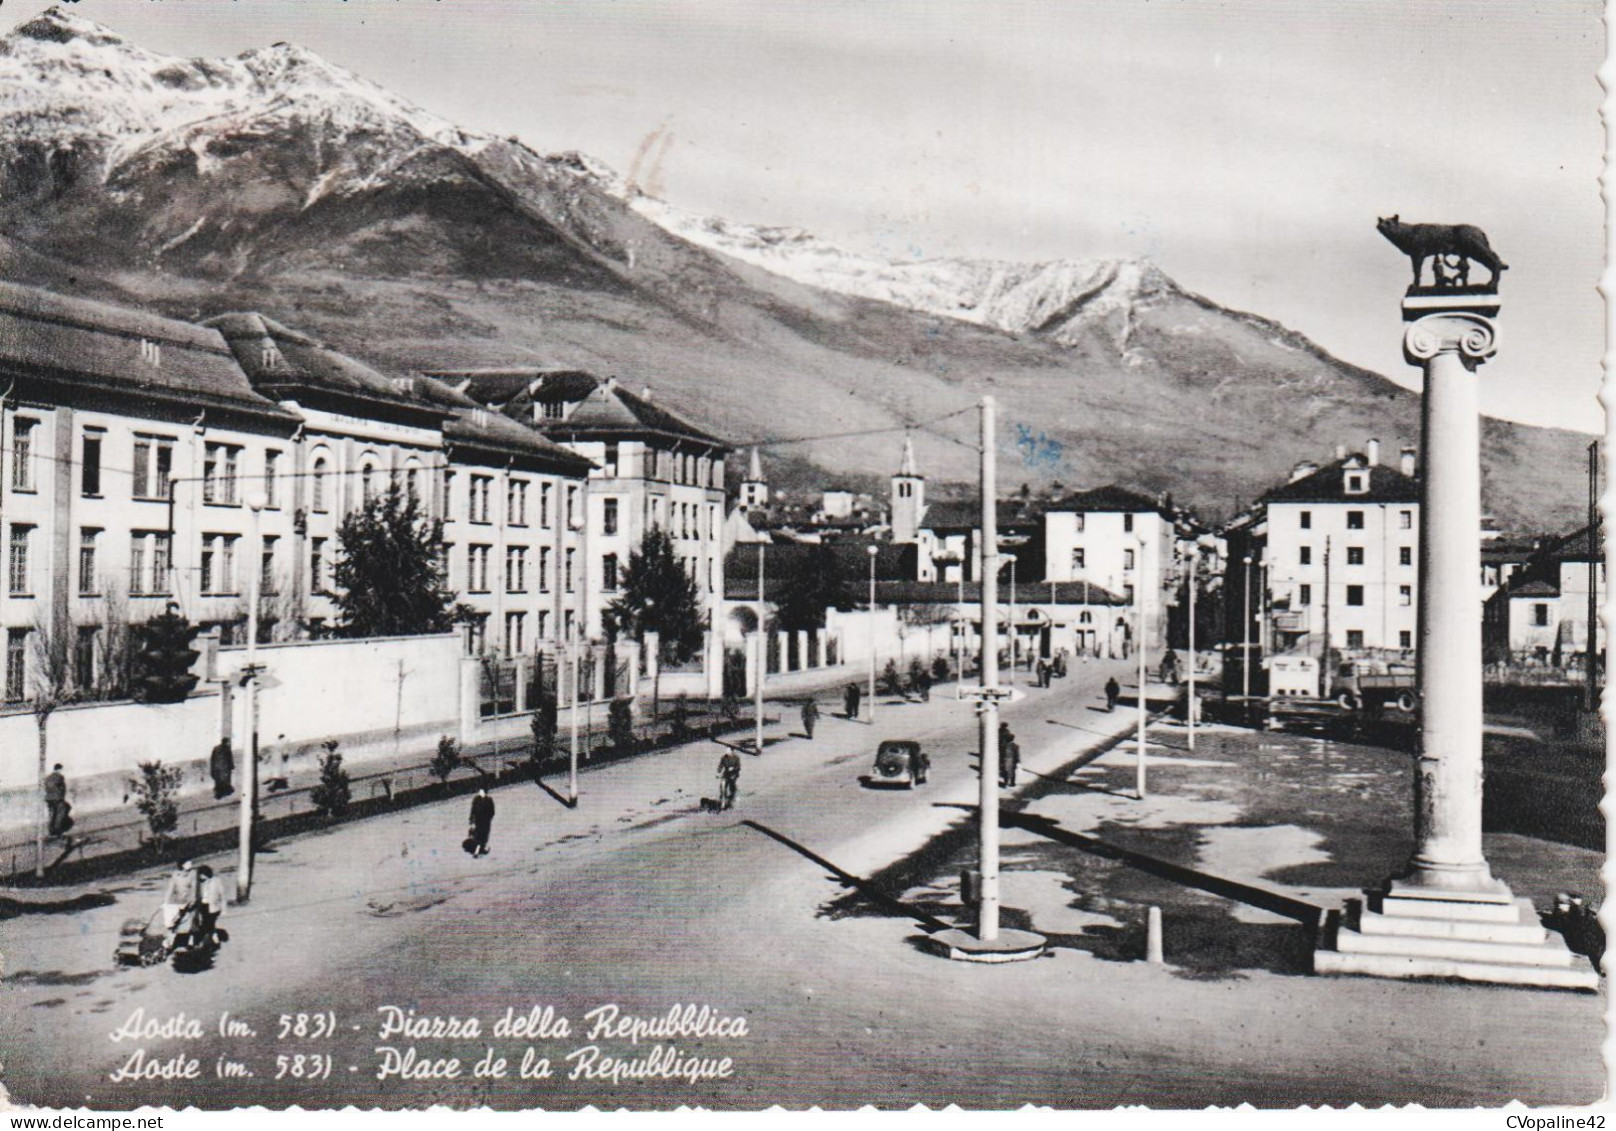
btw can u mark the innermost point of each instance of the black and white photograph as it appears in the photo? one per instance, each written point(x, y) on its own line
point(836, 554)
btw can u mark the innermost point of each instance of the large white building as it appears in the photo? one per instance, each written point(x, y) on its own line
point(1116, 539)
point(1335, 556)
point(652, 469)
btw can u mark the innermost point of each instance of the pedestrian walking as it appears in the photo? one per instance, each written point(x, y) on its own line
point(923, 685)
point(58, 821)
point(810, 716)
point(184, 889)
point(1042, 673)
point(850, 699)
point(1009, 755)
point(1112, 691)
point(482, 823)
point(222, 766)
point(729, 776)
point(213, 900)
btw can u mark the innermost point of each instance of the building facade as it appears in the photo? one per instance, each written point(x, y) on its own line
point(1119, 540)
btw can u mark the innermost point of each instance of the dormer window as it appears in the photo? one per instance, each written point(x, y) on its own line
point(151, 353)
point(1357, 482)
point(270, 358)
point(479, 418)
point(552, 410)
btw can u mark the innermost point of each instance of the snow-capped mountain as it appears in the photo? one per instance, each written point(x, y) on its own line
point(278, 182)
point(1048, 298)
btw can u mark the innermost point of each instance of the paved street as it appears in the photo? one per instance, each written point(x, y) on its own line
point(640, 900)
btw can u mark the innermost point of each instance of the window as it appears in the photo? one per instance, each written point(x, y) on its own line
point(272, 467)
point(1127, 559)
point(567, 576)
point(572, 507)
point(1304, 556)
point(1304, 595)
point(218, 565)
point(317, 565)
point(1127, 524)
point(1405, 595)
point(16, 664)
point(1405, 639)
point(266, 565)
point(446, 564)
point(515, 625)
point(149, 547)
point(1540, 615)
point(412, 481)
point(317, 492)
point(1357, 482)
point(1077, 523)
point(567, 624)
point(544, 505)
point(477, 569)
point(553, 410)
point(90, 466)
point(1355, 555)
point(448, 495)
point(153, 467)
point(477, 634)
point(1079, 559)
point(1405, 555)
point(1405, 520)
point(542, 625)
point(515, 569)
point(87, 578)
point(367, 481)
point(905, 489)
point(17, 562)
point(481, 486)
point(219, 473)
point(1355, 594)
point(608, 516)
point(1355, 520)
point(84, 656)
point(1354, 638)
point(610, 461)
point(544, 569)
point(22, 454)
point(1307, 520)
point(516, 502)
point(608, 572)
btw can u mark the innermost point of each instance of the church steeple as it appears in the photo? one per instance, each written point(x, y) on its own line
point(754, 488)
point(908, 496)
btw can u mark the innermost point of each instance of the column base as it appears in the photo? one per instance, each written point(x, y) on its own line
point(1010, 946)
point(1486, 935)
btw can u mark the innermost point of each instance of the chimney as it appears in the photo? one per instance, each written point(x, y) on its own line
point(1340, 452)
point(1372, 453)
point(1407, 464)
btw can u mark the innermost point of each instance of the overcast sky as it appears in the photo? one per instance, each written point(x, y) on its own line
point(1244, 146)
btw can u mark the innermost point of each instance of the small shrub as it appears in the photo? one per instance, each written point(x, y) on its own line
point(940, 670)
point(156, 797)
point(890, 683)
point(332, 795)
point(445, 759)
point(620, 724)
point(544, 726)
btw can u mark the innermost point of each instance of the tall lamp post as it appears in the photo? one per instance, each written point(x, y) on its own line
point(256, 501)
point(872, 550)
point(1011, 558)
point(762, 656)
point(1139, 614)
point(1190, 704)
point(573, 648)
point(1245, 642)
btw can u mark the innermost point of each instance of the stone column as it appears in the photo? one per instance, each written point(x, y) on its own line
point(1450, 344)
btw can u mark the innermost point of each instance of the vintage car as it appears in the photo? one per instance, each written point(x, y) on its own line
point(900, 762)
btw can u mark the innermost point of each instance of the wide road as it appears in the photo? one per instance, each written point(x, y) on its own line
point(638, 901)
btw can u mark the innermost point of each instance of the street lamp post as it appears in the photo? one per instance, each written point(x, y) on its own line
point(1139, 610)
point(762, 655)
point(1195, 552)
point(872, 550)
point(1245, 642)
point(572, 746)
point(256, 501)
point(1011, 680)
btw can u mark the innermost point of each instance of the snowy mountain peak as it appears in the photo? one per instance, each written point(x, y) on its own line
point(1058, 299)
point(54, 25)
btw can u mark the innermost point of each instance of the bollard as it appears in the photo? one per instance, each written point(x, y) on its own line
point(970, 887)
point(1153, 937)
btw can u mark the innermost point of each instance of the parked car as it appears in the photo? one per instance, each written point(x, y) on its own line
point(900, 762)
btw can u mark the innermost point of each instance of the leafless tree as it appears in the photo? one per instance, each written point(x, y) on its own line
point(50, 686)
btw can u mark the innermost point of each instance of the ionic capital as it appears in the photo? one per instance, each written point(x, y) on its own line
point(1473, 337)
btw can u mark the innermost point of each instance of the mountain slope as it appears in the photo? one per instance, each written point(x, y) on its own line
point(279, 182)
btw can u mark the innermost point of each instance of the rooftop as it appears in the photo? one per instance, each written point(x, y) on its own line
point(1329, 485)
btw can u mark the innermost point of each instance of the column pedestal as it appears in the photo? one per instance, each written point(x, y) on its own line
point(1447, 916)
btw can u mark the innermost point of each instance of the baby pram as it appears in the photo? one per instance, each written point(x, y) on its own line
point(144, 942)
